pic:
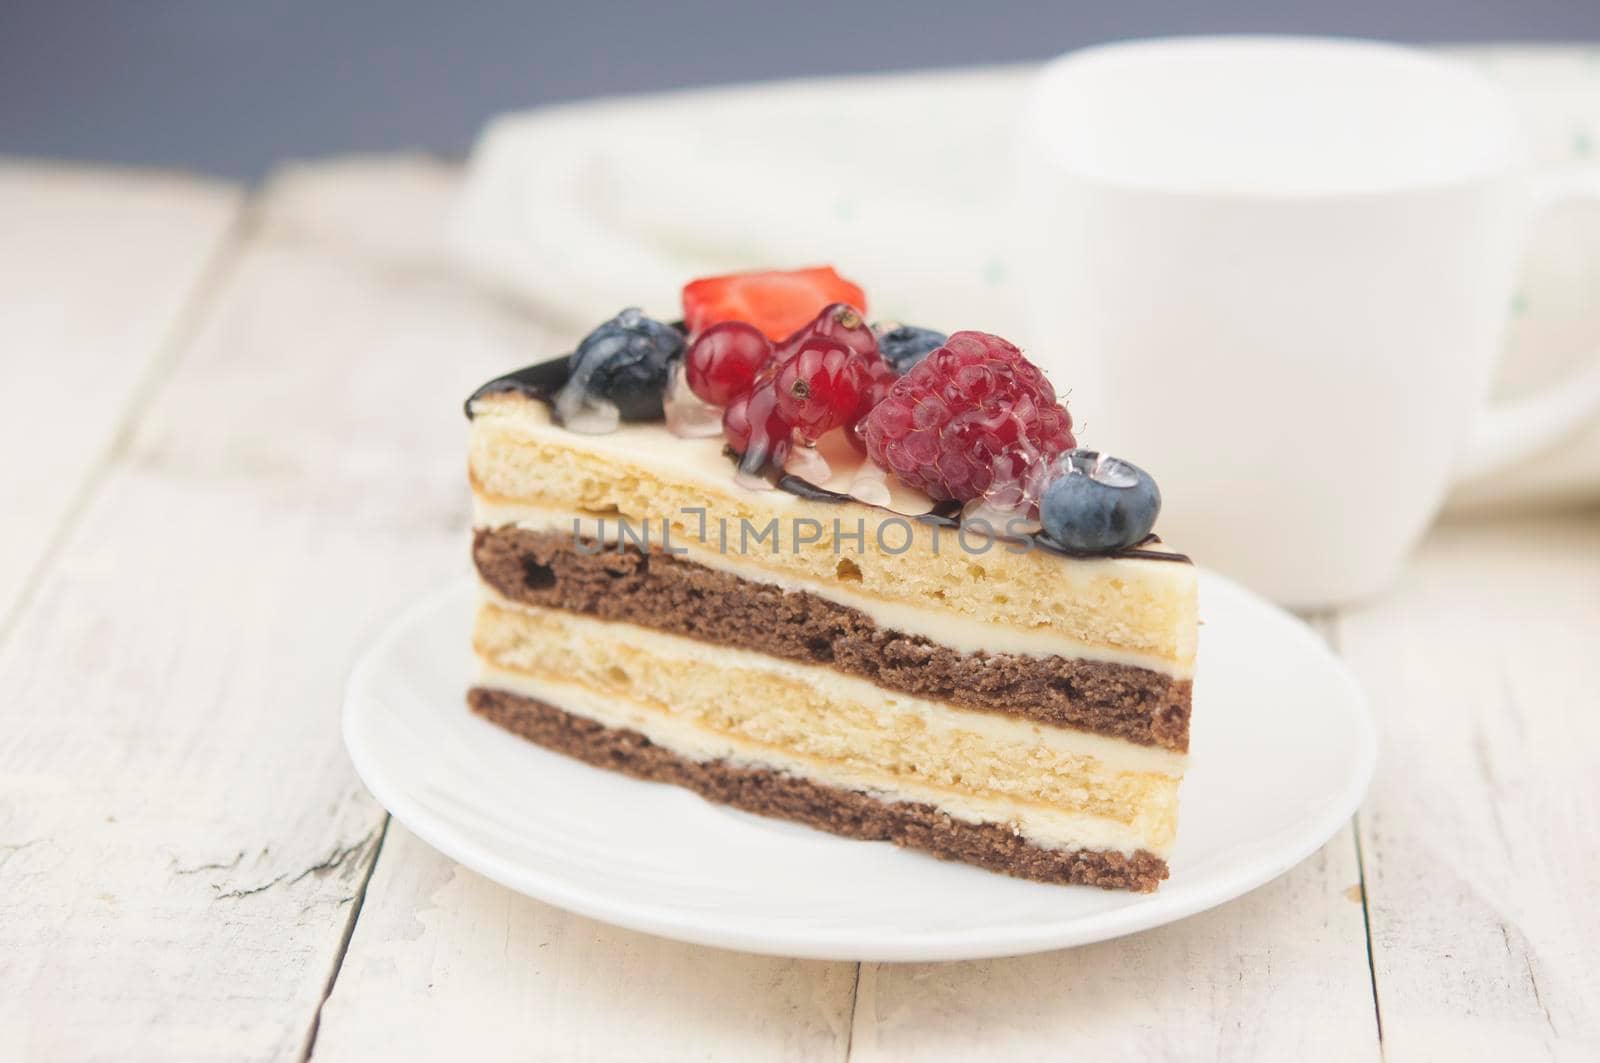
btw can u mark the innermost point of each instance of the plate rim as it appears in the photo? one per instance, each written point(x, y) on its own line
point(1149, 911)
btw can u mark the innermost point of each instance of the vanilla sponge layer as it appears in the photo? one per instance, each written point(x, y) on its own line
point(646, 475)
point(1058, 787)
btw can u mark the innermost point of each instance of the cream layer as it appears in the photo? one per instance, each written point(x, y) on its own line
point(710, 701)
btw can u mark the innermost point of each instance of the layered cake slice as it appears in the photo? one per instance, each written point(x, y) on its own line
point(859, 578)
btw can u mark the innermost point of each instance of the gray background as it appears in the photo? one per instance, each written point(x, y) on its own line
point(229, 87)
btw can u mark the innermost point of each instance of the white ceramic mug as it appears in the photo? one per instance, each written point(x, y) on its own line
point(1275, 272)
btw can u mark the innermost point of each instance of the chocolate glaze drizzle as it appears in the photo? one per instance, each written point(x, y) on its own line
point(793, 485)
point(542, 381)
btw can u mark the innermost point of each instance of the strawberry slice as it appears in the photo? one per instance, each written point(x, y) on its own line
point(775, 301)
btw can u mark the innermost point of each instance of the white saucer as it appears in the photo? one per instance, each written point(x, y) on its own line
point(1282, 749)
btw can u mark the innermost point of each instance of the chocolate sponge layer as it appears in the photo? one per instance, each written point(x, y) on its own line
point(671, 594)
point(839, 811)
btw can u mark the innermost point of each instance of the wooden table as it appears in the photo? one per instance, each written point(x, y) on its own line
point(231, 449)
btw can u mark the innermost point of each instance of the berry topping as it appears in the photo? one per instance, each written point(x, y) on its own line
point(722, 361)
point(776, 301)
point(757, 431)
point(839, 321)
point(820, 386)
point(973, 419)
point(1096, 504)
point(903, 346)
point(618, 373)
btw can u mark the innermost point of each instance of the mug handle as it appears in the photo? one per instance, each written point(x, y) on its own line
point(1510, 430)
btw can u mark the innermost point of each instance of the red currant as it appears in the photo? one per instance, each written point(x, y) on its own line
point(722, 361)
point(838, 321)
point(757, 430)
point(819, 388)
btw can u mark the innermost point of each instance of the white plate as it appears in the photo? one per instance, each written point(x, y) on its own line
point(1282, 749)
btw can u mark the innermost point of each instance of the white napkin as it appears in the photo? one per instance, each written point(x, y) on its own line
point(902, 182)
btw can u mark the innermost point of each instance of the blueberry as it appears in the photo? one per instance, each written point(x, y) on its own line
point(618, 372)
point(903, 346)
point(1098, 504)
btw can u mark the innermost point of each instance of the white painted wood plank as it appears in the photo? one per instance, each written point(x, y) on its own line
point(447, 965)
point(96, 268)
point(389, 209)
point(182, 840)
point(1278, 974)
point(1481, 837)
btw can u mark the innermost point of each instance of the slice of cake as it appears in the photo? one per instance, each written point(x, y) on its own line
point(889, 597)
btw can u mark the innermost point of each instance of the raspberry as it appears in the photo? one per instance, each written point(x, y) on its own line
point(820, 385)
point(722, 361)
point(974, 419)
